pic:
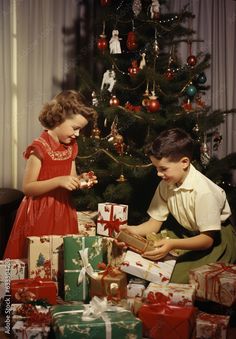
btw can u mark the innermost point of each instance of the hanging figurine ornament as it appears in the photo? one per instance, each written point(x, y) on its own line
point(137, 7)
point(204, 156)
point(134, 69)
point(155, 46)
point(191, 60)
point(155, 10)
point(108, 80)
point(153, 104)
point(102, 41)
point(114, 43)
point(131, 42)
point(146, 95)
point(143, 60)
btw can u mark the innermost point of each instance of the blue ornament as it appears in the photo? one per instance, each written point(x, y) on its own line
point(201, 78)
point(191, 90)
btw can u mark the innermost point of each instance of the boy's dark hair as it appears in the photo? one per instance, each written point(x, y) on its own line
point(173, 144)
point(63, 106)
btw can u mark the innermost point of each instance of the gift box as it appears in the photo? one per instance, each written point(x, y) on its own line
point(10, 269)
point(46, 258)
point(21, 330)
point(114, 254)
point(87, 222)
point(95, 320)
point(158, 272)
point(211, 326)
point(74, 289)
point(215, 282)
point(28, 290)
point(135, 242)
point(110, 217)
point(111, 283)
point(161, 321)
point(135, 288)
point(173, 294)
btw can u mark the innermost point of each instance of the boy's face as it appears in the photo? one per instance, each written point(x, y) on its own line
point(173, 173)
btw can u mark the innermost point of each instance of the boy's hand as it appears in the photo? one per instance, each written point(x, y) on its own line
point(122, 244)
point(162, 248)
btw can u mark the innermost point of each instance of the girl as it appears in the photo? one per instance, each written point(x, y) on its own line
point(50, 174)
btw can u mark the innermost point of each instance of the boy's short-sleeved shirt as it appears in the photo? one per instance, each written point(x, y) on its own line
point(198, 204)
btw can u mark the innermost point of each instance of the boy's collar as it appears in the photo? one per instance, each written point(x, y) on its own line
point(187, 184)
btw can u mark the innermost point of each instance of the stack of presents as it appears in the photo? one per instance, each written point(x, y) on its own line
point(84, 286)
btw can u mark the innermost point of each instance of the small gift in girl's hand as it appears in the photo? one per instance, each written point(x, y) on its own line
point(87, 179)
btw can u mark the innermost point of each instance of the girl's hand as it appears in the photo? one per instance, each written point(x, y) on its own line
point(162, 248)
point(69, 182)
point(87, 180)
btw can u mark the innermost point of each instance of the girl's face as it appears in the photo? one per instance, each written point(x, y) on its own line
point(173, 173)
point(69, 129)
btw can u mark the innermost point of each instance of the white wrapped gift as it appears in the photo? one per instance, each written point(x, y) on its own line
point(10, 269)
point(158, 272)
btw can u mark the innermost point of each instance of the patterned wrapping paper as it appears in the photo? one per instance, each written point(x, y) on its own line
point(75, 291)
point(158, 272)
point(115, 322)
point(173, 294)
point(114, 254)
point(87, 222)
point(28, 290)
point(162, 321)
point(45, 255)
point(135, 288)
point(215, 282)
point(22, 331)
point(110, 217)
point(10, 269)
point(211, 326)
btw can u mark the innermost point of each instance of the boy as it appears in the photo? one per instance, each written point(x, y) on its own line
point(201, 227)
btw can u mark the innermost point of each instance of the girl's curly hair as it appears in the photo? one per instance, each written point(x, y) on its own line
point(63, 106)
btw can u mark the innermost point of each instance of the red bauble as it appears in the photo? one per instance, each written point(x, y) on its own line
point(102, 43)
point(104, 2)
point(131, 42)
point(192, 60)
point(134, 69)
point(169, 74)
point(153, 104)
point(114, 101)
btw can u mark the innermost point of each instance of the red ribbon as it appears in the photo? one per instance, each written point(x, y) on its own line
point(157, 298)
point(113, 225)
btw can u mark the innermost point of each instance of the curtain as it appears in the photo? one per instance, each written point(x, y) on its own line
point(39, 39)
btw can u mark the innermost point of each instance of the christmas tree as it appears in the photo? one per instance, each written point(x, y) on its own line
point(142, 87)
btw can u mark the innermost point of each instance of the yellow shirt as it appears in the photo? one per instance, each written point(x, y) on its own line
point(198, 204)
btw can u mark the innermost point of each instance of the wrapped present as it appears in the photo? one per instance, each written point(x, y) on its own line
point(21, 330)
point(134, 304)
point(173, 294)
point(135, 242)
point(211, 326)
point(29, 290)
point(215, 282)
point(10, 269)
point(158, 272)
point(110, 217)
point(30, 313)
point(135, 288)
point(114, 254)
point(95, 320)
point(161, 321)
point(110, 283)
point(46, 258)
point(87, 222)
point(76, 282)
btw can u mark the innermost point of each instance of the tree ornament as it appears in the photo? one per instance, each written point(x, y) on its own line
point(169, 74)
point(155, 46)
point(146, 95)
point(204, 156)
point(114, 42)
point(119, 143)
point(191, 60)
point(134, 69)
point(196, 129)
point(94, 99)
point(102, 41)
point(121, 178)
point(105, 2)
point(131, 42)
point(217, 138)
point(191, 90)
point(153, 104)
point(187, 106)
point(108, 80)
point(155, 10)
point(137, 7)
point(114, 101)
point(201, 79)
point(143, 61)
point(95, 134)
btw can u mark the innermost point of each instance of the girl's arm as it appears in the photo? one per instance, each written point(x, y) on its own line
point(199, 242)
point(33, 187)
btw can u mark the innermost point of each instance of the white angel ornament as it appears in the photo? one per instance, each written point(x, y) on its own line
point(108, 80)
point(114, 42)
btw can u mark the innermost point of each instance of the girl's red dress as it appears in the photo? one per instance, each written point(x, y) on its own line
point(51, 213)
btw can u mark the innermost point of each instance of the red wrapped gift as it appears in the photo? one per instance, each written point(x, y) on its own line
point(29, 290)
point(161, 321)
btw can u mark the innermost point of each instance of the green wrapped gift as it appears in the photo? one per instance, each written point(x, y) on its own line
point(75, 290)
point(77, 321)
